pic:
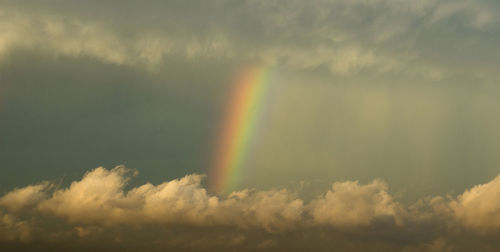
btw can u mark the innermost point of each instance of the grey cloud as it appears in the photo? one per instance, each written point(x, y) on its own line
point(342, 36)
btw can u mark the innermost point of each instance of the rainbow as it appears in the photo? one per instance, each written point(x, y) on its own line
point(244, 112)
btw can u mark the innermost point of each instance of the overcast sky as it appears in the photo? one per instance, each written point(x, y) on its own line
point(390, 104)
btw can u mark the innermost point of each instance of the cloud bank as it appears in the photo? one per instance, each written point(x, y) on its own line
point(102, 204)
point(344, 37)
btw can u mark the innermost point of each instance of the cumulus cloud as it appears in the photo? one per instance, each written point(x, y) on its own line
point(100, 198)
point(479, 206)
point(24, 197)
point(14, 229)
point(349, 203)
point(100, 201)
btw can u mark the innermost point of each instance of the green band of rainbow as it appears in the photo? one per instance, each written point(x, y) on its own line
point(238, 129)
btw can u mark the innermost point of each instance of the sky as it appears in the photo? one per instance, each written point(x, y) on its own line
point(373, 125)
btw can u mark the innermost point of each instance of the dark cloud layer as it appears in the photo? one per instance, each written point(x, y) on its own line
point(57, 109)
point(437, 39)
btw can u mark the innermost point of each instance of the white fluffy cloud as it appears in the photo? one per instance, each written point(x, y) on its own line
point(100, 201)
point(21, 198)
point(100, 198)
point(349, 203)
point(479, 207)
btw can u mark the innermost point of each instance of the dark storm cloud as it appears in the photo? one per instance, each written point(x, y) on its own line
point(59, 109)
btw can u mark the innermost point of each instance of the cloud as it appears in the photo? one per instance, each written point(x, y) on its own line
point(25, 197)
point(349, 203)
point(100, 198)
point(361, 39)
point(345, 37)
point(13, 229)
point(100, 202)
point(479, 206)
